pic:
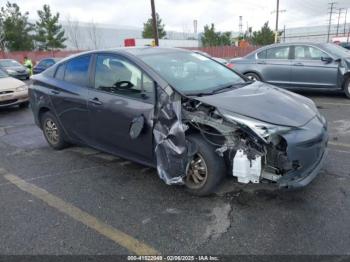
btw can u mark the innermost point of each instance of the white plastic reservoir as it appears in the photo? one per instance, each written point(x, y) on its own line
point(246, 170)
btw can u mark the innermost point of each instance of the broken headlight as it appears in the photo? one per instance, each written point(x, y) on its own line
point(262, 129)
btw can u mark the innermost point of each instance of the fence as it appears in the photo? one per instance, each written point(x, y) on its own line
point(35, 56)
point(226, 51)
point(216, 51)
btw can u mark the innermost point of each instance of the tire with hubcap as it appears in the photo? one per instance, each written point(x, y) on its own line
point(205, 170)
point(347, 87)
point(253, 76)
point(53, 132)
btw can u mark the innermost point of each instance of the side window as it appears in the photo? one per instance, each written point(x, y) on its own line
point(261, 55)
point(49, 63)
point(117, 76)
point(316, 54)
point(60, 71)
point(278, 53)
point(308, 53)
point(77, 70)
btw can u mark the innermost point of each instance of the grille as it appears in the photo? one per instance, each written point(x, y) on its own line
point(8, 102)
point(5, 92)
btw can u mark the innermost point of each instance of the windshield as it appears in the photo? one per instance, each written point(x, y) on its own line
point(3, 74)
point(336, 50)
point(192, 73)
point(9, 63)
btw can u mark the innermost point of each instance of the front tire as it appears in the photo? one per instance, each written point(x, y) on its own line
point(253, 76)
point(206, 169)
point(53, 131)
point(347, 87)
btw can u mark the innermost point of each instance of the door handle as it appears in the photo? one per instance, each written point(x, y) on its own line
point(298, 64)
point(96, 101)
point(55, 92)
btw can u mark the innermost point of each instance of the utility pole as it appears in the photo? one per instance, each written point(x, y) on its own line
point(155, 29)
point(278, 11)
point(284, 33)
point(330, 19)
point(277, 14)
point(346, 14)
point(340, 10)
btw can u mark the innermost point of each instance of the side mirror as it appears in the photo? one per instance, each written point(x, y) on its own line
point(327, 59)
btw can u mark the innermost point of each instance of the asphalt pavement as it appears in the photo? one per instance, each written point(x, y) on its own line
point(81, 201)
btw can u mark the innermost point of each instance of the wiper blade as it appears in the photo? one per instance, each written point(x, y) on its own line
point(237, 85)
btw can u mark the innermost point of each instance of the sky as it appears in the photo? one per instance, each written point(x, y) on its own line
point(178, 15)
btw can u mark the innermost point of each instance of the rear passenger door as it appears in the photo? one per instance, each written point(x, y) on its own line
point(69, 97)
point(275, 65)
point(122, 94)
point(309, 70)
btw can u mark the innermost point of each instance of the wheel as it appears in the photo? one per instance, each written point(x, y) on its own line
point(206, 169)
point(53, 132)
point(24, 105)
point(253, 76)
point(347, 87)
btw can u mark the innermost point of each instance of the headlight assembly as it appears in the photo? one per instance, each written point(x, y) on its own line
point(260, 128)
point(10, 71)
point(21, 88)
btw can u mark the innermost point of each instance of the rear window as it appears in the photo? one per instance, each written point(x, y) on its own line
point(77, 70)
point(261, 55)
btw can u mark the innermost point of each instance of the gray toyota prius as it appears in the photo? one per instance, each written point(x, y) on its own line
point(299, 66)
point(192, 118)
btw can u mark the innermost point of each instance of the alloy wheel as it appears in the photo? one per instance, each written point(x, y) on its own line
point(51, 131)
point(197, 172)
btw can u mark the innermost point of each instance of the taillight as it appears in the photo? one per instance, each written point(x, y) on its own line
point(230, 65)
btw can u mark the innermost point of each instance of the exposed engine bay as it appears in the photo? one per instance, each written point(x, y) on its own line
point(251, 159)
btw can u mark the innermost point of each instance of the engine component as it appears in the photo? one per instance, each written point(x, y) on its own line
point(246, 170)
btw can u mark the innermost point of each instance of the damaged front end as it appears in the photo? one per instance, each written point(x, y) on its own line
point(254, 151)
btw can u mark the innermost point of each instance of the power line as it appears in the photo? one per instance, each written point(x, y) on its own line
point(332, 5)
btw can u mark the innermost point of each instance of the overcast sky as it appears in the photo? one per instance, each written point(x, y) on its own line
point(178, 15)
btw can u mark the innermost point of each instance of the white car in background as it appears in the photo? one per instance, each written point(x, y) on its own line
point(12, 91)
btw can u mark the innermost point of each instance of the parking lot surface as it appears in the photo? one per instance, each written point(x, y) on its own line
point(81, 201)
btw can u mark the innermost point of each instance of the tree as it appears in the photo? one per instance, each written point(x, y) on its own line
point(73, 32)
point(148, 28)
point(265, 36)
point(50, 34)
point(212, 38)
point(16, 30)
point(94, 36)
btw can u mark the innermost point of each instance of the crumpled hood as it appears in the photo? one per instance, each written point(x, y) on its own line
point(266, 103)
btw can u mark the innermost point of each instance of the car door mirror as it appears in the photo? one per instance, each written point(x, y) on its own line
point(326, 59)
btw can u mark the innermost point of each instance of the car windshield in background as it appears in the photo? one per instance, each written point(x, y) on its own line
point(336, 50)
point(192, 73)
point(9, 63)
point(3, 74)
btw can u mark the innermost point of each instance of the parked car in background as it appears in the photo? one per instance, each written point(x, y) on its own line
point(12, 91)
point(14, 69)
point(45, 64)
point(192, 118)
point(345, 45)
point(299, 65)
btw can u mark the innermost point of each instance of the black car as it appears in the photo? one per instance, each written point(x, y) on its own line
point(192, 118)
point(45, 64)
point(14, 69)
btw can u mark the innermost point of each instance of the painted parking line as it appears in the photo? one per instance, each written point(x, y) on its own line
point(339, 144)
point(333, 104)
point(131, 244)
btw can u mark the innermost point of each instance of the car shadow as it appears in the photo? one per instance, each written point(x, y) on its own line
point(321, 93)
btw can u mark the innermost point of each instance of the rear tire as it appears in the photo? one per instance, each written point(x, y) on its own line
point(253, 76)
point(347, 87)
point(206, 170)
point(53, 131)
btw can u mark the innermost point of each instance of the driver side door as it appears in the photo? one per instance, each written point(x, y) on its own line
point(121, 94)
